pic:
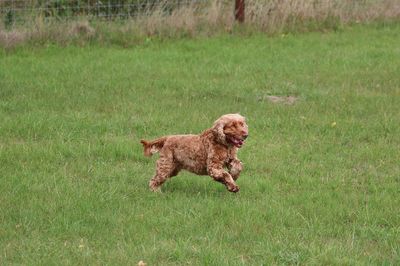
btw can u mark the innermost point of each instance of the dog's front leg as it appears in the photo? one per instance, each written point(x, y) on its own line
point(235, 167)
point(217, 172)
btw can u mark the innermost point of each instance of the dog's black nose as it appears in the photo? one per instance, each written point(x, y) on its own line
point(245, 136)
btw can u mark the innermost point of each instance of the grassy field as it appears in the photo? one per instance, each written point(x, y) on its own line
point(321, 181)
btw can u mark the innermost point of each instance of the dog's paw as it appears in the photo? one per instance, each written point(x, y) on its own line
point(154, 187)
point(233, 188)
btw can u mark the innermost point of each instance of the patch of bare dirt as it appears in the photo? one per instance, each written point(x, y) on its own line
point(288, 100)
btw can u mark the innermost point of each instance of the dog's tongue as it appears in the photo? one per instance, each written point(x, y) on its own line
point(238, 142)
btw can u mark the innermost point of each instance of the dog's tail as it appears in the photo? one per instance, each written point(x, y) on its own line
point(151, 147)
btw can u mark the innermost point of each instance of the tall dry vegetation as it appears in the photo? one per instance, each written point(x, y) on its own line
point(269, 16)
point(276, 16)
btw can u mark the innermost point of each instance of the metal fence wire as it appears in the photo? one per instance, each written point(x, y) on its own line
point(21, 10)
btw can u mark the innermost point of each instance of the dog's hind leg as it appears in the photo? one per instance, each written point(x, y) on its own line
point(166, 168)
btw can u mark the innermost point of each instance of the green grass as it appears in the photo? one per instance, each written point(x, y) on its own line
point(74, 182)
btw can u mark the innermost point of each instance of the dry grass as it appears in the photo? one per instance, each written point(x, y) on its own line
point(10, 39)
point(278, 16)
point(217, 16)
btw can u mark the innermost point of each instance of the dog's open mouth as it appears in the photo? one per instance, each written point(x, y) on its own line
point(237, 142)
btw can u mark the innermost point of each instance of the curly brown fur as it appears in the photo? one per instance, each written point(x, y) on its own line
point(213, 152)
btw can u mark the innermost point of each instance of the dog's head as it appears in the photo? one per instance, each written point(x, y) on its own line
point(231, 130)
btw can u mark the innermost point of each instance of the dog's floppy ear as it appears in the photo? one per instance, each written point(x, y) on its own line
point(218, 130)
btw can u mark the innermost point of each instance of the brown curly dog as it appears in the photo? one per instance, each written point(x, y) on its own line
point(209, 153)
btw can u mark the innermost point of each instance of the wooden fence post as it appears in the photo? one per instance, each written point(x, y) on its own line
point(239, 10)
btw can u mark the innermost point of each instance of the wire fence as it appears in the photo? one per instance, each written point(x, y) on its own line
point(14, 11)
point(266, 14)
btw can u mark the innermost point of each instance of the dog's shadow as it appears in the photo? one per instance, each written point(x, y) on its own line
point(199, 188)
